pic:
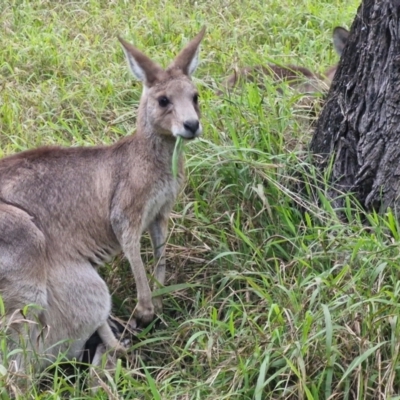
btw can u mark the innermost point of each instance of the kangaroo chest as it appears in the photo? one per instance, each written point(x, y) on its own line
point(161, 200)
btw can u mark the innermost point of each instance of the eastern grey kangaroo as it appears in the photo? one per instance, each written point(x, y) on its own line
point(66, 211)
point(299, 78)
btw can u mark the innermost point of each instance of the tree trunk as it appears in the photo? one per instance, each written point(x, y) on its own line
point(360, 124)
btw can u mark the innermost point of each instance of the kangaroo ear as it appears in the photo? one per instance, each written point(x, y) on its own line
point(340, 36)
point(142, 67)
point(188, 59)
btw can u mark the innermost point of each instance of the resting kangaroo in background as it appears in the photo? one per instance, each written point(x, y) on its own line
point(66, 211)
point(300, 78)
point(340, 36)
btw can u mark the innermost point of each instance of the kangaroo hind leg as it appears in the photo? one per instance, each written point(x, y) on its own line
point(23, 276)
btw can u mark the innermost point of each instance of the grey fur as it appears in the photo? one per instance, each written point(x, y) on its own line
point(66, 211)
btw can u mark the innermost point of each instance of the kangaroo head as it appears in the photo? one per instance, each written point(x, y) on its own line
point(169, 103)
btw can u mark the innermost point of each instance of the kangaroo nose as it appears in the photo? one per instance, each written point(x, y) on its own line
point(192, 126)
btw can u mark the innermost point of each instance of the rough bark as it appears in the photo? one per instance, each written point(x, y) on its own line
point(360, 124)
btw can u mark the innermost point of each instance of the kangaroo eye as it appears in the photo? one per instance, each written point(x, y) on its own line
point(163, 101)
point(196, 98)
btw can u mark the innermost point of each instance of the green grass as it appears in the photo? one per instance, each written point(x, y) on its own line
point(272, 295)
